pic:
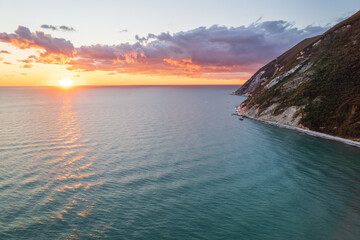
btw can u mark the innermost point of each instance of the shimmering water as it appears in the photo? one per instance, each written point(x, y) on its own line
point(165, 163)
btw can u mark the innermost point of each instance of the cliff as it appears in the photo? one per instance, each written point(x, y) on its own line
point(314, 85)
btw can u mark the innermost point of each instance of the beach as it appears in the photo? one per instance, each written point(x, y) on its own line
point(308, 132)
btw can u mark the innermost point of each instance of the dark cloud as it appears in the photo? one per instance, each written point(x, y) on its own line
point(55, 28)
point(145, 39)
point(201, 50)
point(4, 52)
point(51, 27)
point(67, 29)
point(211, 52)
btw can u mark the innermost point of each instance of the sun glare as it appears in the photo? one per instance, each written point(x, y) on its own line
point(65, 83)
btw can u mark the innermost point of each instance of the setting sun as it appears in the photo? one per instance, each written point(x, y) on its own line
point(208, 119)
point(65, 83)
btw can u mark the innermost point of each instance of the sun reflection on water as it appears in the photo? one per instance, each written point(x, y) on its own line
point(70, 162)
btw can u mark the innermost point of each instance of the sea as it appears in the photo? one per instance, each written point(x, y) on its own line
point(165, 162)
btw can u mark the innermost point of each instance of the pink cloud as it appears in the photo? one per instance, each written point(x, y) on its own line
point(27, 66)
point(52, 50)
point(214, 52)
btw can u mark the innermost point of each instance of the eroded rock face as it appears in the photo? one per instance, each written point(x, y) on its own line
point(250, 86)
point(315, 85)
point(275, 67)
point(276, 80)
point(290, 116)
point(302, 76)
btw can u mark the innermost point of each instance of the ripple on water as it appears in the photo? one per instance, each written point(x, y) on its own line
point(161, 163)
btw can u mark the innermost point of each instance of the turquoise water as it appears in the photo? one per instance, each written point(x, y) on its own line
point(165, 163)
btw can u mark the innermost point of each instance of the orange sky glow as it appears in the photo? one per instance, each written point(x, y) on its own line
point(18, 70)
point(216, 55)
point(36, 58)
point(44, 42)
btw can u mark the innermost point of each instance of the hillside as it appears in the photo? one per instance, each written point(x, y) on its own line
point(315, 85)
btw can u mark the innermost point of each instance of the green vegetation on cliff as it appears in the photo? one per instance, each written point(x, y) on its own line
point(324, 82)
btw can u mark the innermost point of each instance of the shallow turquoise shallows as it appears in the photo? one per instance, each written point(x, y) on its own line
point(165, 163)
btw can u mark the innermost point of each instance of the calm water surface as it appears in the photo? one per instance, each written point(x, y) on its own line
point(165, 163)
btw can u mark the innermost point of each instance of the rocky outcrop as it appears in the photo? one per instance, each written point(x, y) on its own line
point(255, 81)
point(289, 116)
point(315, 85)
point(273, 68)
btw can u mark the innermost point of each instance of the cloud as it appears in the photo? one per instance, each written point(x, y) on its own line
point(52, 50)
point(207, 52)
point(124, 31)
point(343, 17)
point(7, 63)
point(55, 28)
point(51, 27)
point(29, 59)
point(5, 52)
point(67, 29)
point(145, 39)
point(198, 51)
point(27, 66)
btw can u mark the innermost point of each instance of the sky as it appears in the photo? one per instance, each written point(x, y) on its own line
point(153, 42)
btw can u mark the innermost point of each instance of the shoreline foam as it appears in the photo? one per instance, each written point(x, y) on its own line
point(310, 132)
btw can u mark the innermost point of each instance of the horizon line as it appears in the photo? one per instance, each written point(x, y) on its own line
point(127, 85)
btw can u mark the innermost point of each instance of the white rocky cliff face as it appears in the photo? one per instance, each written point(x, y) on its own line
point(290, 116)
point(316, 83)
